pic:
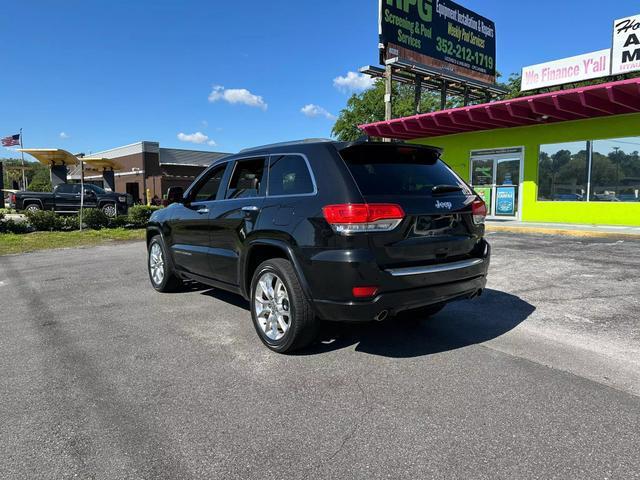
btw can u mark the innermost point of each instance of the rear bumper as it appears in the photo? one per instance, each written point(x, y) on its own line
point(407, 290)
point(396, 302)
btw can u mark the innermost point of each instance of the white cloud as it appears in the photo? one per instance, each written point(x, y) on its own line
point(353, 82)
point(211, 143)
point(198, 137)
point(237, 95)
point(313, 111)
point(64, 135)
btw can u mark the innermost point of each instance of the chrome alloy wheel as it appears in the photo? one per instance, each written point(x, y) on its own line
point(109, 210)
point(156, 263)
point(272, 306)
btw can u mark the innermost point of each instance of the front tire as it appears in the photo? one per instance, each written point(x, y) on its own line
point(161, 273)
point(109, 209)
point(282, 316)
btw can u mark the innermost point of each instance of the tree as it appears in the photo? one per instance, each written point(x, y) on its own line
point(35, 172)
point(41, 179)
point(368, 107)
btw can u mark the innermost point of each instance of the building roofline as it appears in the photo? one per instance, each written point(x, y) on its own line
point(607, 99)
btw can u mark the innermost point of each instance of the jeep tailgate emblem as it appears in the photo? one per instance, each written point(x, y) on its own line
point(447, 205)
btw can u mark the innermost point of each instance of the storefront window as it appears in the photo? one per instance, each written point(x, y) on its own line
point(615, 170)
point(563, 172)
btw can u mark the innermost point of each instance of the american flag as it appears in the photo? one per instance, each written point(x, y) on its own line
point(11, 140)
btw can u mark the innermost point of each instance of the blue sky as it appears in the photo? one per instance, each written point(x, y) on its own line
point(87, 75)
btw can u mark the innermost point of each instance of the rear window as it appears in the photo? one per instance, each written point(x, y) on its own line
point(398, 170)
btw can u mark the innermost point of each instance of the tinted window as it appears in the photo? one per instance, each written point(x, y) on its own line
point(65, 188)
point(209, 189)
point(398, 170)
point(562, 172)
point(95, 188)
point(247, 179)
point(289, 175)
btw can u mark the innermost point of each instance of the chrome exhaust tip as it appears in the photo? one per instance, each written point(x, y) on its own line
point(382, 316)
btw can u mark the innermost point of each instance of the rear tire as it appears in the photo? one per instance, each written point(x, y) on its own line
point(32, 207)
point(161, 272)
point(281, 314)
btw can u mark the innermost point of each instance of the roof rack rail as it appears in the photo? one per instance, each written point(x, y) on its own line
point(284, 144)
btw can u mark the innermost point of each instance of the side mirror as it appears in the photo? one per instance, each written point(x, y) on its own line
point(175, 195)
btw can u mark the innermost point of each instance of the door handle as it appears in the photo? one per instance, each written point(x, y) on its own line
point(202, 210)
point(250, 209)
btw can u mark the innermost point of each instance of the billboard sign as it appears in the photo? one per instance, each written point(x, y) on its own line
point(567, 70)
point(625, 55)
point(440, 34)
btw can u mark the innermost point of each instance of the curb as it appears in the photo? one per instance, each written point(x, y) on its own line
point(561, 231)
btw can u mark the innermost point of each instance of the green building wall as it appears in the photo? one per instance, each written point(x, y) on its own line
point(457, 152)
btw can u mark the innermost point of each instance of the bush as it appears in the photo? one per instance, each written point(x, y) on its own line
point(121, 221)
point(68, 223)
point(95, 219)
point(44, 220)
point(139, 215)
point(1, 216)
point(11, 226)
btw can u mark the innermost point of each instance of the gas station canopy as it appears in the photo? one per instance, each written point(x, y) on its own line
point(100, 164)
point(51, 156)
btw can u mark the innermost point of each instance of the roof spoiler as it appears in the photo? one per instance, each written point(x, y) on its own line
point(366, 140)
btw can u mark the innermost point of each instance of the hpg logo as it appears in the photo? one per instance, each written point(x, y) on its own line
point(447, 205)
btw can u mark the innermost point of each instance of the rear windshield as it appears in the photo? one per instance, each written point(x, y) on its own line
point(398, 170)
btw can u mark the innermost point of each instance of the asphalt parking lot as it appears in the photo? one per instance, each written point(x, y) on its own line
point(102, 377)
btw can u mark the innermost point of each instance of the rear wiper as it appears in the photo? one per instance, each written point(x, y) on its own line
point(439, 189)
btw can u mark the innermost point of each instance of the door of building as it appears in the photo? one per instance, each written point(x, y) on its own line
point(133, 189)
point(497, 177)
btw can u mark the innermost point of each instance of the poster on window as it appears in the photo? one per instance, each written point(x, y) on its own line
point(625, 55)
point(506, 201)
point(485, 194)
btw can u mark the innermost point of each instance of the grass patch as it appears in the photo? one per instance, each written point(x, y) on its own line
point(30, 242)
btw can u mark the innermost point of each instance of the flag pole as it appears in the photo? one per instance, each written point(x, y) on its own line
point(24, 182)
point(81, 191)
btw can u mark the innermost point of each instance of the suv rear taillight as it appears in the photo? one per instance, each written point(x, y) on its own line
point(350, 218)
point(12, 198)
point(479, 210)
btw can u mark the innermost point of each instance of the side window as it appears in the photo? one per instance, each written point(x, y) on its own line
point(247, 179)
point(209, 189)
point(76, 188)
point(289, 175)
point(65, 188)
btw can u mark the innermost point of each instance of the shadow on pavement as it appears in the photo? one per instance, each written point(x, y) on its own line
point(459, 325)
point(227, 297)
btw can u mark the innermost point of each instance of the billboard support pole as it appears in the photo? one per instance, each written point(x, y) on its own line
point(388, 95)
point(418, 94)
point(443, 95)
point(388, 92)
point(466, 95)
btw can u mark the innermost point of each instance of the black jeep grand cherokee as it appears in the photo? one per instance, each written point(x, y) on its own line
point(316, 230)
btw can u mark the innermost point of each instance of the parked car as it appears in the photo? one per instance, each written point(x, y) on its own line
point(66, 198)
point(322, 230)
